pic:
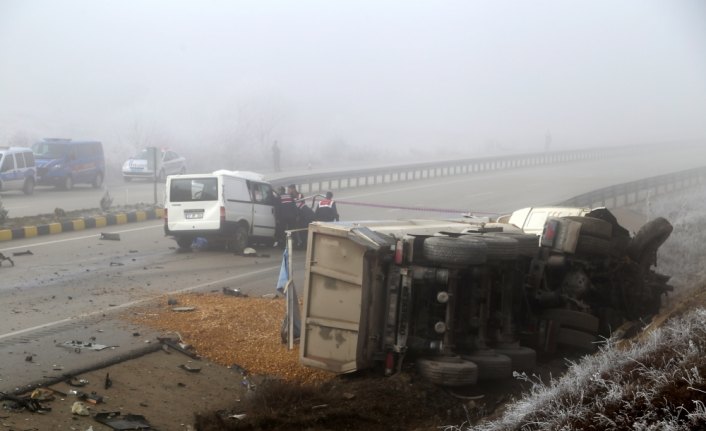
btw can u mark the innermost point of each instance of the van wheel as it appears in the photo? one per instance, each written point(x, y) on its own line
point(240, 239)
point(184, 242)
point(98, 181)
point(29, 186)
point(68, 183)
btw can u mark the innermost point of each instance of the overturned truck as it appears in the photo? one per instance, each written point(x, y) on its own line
point(467, 300)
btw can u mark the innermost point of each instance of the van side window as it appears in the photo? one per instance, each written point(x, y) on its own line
point(8, 163)
point(19, 161)
point(260, 193)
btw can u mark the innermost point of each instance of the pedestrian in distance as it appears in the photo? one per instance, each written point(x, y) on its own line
point(326, 209)
point(275, 156)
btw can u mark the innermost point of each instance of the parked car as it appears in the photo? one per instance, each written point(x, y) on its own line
point(65, 162)
point(17, 169)
point(142, 165)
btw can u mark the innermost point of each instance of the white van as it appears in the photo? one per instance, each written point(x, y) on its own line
point(17, 169)
point(226, 207)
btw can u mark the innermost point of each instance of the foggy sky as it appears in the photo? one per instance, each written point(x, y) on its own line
point(446, 77)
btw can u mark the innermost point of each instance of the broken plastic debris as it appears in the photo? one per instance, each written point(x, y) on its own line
point(233, 291)
point(239, 416)
point(110, 236)
point(183, 309)
point(190, 369)
point(78, 345)
point(249, 251)
point(118, 421)
point(79, 408)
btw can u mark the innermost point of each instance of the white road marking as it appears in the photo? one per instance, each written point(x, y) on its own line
point(78, 238)
point(139, 301)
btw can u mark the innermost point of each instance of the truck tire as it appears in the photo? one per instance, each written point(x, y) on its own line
point(240, 239)
point(572, 319)
point(454, 251)
point(527, 244)
point(448, 371)
point(591, 245)
point(500, 247)
point(28, 187)
point(184, 242)
point(523, 358)
point(576, 339)
point(649, 238)
point(593, 226)
point(491, 365)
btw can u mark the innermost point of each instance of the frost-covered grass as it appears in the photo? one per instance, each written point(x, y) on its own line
point(681, 256)
point(655, 382)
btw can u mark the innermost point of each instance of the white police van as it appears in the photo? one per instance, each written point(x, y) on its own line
point(17, 169)
point(231, 208)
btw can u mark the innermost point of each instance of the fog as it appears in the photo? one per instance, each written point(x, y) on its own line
point(351, 81)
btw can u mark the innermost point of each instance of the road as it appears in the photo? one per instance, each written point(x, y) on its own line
point(74, 283)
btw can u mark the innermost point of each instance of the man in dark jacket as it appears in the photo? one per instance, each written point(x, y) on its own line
point(326, 209)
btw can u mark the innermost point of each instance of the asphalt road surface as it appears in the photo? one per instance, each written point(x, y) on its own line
point(74, 283)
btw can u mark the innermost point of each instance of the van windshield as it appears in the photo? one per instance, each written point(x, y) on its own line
point(48, 150)
point(193, 189)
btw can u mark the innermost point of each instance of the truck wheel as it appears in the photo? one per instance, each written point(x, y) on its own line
point(455, 251)
point(576, 339)
point(98, 181)
point(523, 358)
point(593, 226)
point(572, 319)
point(491, 366)
point(448, 371)
point(649, 238)
point(527, 244)
point(184, 242)
point(240, 239)
point(500, 247)
point(28, 187)
point(591, 245)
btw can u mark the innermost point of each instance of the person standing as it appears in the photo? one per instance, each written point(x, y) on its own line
point(286, 215)
point(326, 209)
point(275, 156)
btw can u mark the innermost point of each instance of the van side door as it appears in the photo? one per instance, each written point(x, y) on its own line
point(7, 172)
point(263, 209)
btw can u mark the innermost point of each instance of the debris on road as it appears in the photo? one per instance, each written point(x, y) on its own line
point(4, 258)
point(110, 236)
point(118, 421)
point(250, 252)
point(108, 381)
point(77, 346)
point(183, 309)
point(233, 291)
point(116, 264)
point(190, 369)
point(19, 403)
point(23, 253)
point(80, 408)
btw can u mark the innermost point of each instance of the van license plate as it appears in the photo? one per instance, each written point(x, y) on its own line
point(193, 215)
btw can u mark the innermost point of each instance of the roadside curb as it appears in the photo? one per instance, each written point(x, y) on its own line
point(81, 224)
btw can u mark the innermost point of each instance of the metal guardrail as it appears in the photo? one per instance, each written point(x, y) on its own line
point(625, 194)
point(316, 182)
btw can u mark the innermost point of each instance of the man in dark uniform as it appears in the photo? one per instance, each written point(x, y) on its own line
point(286, 215)
point(326, 209)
